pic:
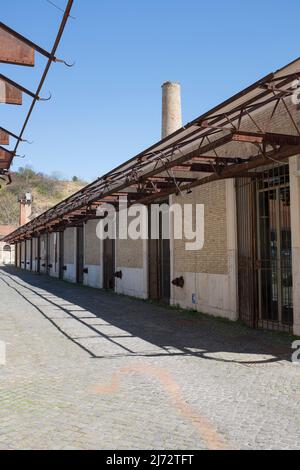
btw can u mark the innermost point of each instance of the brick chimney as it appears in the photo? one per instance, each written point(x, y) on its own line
point(25, 208)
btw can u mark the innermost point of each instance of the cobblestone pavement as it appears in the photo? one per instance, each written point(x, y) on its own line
point(87, 369)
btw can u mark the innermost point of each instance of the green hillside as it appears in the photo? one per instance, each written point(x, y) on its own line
point(46, 190)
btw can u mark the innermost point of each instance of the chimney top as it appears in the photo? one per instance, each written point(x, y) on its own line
point(170, 83)
point(25, 198)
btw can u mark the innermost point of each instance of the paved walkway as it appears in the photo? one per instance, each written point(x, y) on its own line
point(88, 369)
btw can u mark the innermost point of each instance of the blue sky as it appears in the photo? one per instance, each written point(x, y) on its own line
point(108, 107)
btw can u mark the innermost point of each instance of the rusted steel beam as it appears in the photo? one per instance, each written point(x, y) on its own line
point(4, 153)
point(23, 40)
point(272, 87)
point(14, 48)
point(202, 168)
point(234, 171)
point(267, 137)
point(186, 167)
point(243, 137)
point(9, 133)
point(18, 86)
point(258, 137)
point(167, 179)
point(220, 159)
point(183, 167)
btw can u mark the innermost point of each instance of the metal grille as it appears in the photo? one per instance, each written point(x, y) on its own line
point(275, 278)
point(265, 249)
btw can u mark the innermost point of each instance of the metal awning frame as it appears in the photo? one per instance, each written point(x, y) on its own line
point(188, 158)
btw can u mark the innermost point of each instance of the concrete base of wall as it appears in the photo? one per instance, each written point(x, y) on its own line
point(34, 266)
point(206, 293)
point(70, 273)
point(94, 277)
point(54, 272)
point(133, 283)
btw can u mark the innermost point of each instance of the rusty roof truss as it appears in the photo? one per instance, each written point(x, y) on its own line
point(227, 142)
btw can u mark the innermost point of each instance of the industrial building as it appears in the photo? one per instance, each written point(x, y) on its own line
point(241, 160)
point(7, 252)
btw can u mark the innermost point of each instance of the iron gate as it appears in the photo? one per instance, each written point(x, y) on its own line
point(247, 273)
point(265, 249)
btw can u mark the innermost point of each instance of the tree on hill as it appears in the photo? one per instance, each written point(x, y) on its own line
point(46, 190)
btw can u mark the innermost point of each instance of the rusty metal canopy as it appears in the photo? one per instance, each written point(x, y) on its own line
point(247, 131)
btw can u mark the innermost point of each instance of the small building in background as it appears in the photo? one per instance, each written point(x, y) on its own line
point(7, 252)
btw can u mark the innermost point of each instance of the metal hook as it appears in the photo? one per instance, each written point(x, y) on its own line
point(19, 156)
point(69, 65)
point(30, 142)
point(46, 99)
point(65, 63)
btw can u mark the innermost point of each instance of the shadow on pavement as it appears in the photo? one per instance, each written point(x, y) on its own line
point(106, 325)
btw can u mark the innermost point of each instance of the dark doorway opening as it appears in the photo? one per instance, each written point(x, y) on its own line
point(159, 258)
point(31, 253)
point(61, 255)
point(48, 254)
point(16, 255)
point(109, 247)
point(79, 255)
point(38, 255)
point(25, 255)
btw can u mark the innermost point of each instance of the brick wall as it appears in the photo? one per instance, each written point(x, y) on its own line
point(69, 246)
point(129, 253)
point(212, 258)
